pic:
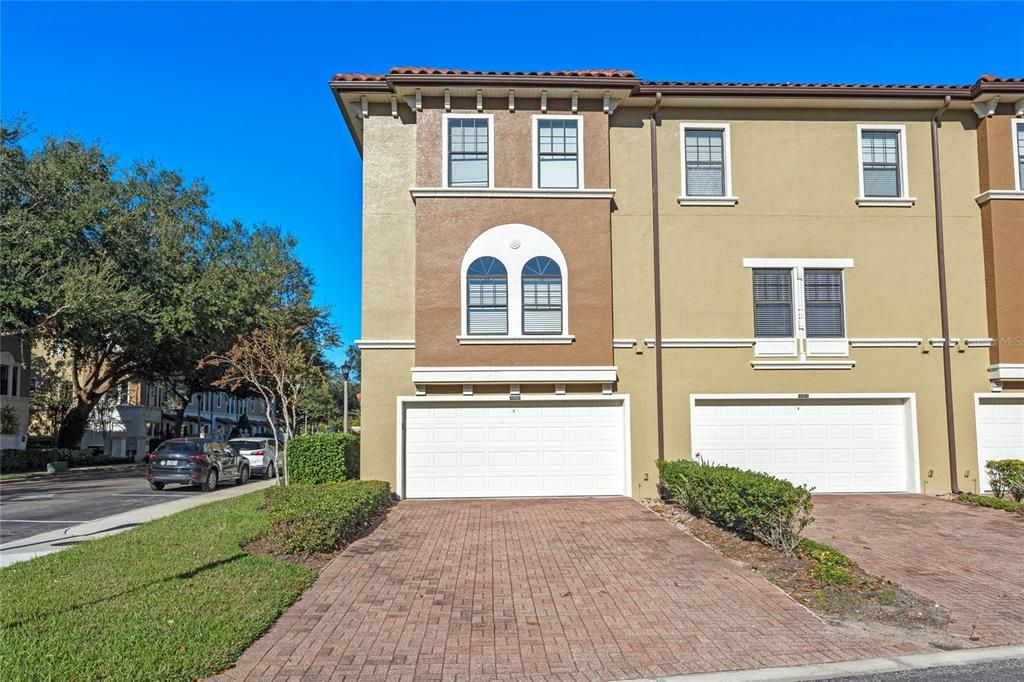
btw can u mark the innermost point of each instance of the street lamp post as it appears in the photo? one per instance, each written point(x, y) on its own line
point(346, 369)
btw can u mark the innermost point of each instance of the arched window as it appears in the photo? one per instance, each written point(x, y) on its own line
point(486, 297)
point(542, 296)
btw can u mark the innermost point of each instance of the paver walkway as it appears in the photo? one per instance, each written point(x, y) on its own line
point(569, 589)
point(969, 559)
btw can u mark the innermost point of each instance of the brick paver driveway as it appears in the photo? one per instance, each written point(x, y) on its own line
point(969, 559)
point(575, 589)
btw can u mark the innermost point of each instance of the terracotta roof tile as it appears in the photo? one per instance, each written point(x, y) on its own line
point(357, 77)
point(578, 73)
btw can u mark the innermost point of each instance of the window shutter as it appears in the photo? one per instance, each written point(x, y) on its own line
point(705, 163)
point(880, 155)
point(773, 303)
point(823, 297)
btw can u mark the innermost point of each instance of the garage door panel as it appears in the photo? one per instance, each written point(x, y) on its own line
point(1000, 427)
point(520, 450)
point(832, 445)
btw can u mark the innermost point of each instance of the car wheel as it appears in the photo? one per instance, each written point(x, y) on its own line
point(243, 476)
point(210, 483)
point(271, 471)
point(153, 485)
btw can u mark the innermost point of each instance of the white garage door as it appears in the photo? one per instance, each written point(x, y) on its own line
point(1000, 431)
point(832, 445)
point(515, 450)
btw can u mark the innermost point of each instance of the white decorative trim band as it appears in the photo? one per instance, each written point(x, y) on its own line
point(891, 202)
point(390, 344)
point(798, 262)
point(707, 201)
point(1006, 372)
point(701, 343)
point(979, 342)
point(936, 341)
point(802, 364)
point(566, 374)
point(991, 194)
point(532, 340)
point(885, 343)
point(509, 193)
point(623, 343)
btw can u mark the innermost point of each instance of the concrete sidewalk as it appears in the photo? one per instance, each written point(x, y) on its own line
point(55, 541)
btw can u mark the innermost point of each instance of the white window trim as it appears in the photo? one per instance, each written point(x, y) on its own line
point(535, 151)
point(902, 201)
point(490, 147)
point(1016, 123)
point(800, 345)
point(514, 245)
point(727, 199)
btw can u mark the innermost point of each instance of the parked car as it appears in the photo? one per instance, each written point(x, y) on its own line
point(261, 453)
point(200, 462)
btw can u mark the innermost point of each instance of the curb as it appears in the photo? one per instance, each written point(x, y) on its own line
point(57, 540)
point(867, 666)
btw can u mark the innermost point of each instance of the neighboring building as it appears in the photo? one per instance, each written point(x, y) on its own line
point(135, 415)
point(15, 370)
point(512, 306)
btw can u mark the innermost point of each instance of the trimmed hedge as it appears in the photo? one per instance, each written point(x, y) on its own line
point(36, 459)
point(1006, 476)
point(308, 519)
point(771, 510)
point(323, 458)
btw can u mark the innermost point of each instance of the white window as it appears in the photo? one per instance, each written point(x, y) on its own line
point(799, 307)
point(558, 152)
point(1018, 147)
point(706, 165)
point(487, 297)
point(468, 150)
point(883, 165)
point(514, 288)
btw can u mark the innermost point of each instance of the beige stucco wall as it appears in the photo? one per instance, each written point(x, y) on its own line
point(385, 376)
point(796, 176)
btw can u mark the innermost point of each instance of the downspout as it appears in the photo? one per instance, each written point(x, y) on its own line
point(658, 387)
point(940, 248)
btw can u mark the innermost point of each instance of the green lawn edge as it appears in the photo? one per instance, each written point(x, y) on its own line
point(173, 599)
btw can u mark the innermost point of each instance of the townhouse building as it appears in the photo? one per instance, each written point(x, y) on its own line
point(15, 401)
point(569, 275)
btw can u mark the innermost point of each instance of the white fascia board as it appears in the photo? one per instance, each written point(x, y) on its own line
point(1006, 372)
point(936, 341)
point(979, 342)
point(510, 193)
point(798, 262)
point(364, 344)
point(623, 343)
point(999, 194)
point(514, 375)
point(701, 343)
point(528, 340)
point(802, 364)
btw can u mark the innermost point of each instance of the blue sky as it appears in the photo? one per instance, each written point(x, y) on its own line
point(236, 93)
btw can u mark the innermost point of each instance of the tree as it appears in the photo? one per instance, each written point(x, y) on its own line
point(279, 361)
point(52, 396)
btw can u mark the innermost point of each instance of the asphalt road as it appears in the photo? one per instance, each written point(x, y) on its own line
point(28, 508)
point(1010, 670)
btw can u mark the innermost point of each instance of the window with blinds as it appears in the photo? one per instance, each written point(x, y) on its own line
point(1020, 154)
point(823, 301)
point(486, 297)
point(773, 302)
point(542, 297)
point(557, 153)
point(468, 151)
point(880, 159)
point(705, 163)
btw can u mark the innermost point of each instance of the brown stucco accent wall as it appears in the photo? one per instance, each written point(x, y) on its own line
point(446, 227)
point(1002, 226)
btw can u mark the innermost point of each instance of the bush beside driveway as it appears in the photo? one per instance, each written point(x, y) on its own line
point(969, 559)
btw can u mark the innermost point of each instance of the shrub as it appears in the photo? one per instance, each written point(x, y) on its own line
point(36, 459)
point(306, 519)
point(1006, 476)
point(993, 502)
point(323, 458)
point(771, 510)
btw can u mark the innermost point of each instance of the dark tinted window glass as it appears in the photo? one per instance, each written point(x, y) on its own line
point(178, 448)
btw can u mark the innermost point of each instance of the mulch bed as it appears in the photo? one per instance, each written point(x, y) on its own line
point(867, 598)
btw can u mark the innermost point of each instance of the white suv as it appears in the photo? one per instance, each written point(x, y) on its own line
point(260, 452)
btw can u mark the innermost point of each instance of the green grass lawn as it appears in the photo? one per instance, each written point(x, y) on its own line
point(173, 599)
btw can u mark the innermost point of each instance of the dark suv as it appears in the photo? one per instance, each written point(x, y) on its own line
point(195, 461)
